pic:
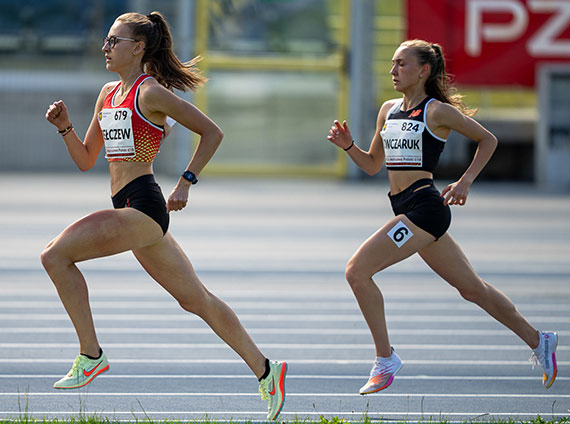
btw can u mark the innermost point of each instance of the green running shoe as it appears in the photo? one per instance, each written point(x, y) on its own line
point(272, 388)
point(84, 370)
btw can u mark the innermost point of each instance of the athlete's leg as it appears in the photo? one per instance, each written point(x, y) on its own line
point(102, 233)
point(167, 263)
point(377, 253)
point(447, 259)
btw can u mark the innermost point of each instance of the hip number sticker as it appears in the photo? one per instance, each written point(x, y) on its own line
point(400, 234)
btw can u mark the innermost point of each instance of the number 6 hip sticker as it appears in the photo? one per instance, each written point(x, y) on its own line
point(400, 234)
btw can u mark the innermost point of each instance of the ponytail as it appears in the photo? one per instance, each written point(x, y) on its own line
point(438, 84)
point(159, 59)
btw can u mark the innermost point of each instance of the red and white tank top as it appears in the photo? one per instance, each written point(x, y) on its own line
point(128, 135)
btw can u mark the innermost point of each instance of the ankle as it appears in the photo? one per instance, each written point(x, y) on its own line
point(537, 341)
point(91, 356)
point(267, 370)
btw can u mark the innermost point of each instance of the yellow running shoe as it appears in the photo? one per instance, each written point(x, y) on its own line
point(272, 388)
point(83, 371)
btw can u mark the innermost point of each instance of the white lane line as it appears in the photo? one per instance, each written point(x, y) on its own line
point(289, 377)
point(423, 414)
point(306, 291)
point(265, 317)
point(282, 346)
point(267, 304)
point(270, 330)
point(305, 395)
point(130, 361)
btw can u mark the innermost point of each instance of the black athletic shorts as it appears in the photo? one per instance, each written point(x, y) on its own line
point(423, 207)
point(144, 194)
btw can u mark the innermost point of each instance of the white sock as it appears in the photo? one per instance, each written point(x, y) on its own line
point(382, 359)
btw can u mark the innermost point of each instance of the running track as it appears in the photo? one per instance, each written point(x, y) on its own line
point(275, 251)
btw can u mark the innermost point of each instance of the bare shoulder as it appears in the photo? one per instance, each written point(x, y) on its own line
point(389, 104)
point(385, 108)
point(440, 110)
point(110, 86)
point(151, 88)
point(155, 98)
point(105, 91)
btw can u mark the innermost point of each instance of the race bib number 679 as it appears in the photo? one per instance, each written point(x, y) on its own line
point(117, 128)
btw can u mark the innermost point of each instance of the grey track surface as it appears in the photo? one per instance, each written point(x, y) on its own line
point(275, 251)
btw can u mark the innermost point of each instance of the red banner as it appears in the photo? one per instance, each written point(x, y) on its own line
point(494, 42)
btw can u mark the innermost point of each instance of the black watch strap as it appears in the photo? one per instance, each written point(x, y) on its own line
point(190, 176)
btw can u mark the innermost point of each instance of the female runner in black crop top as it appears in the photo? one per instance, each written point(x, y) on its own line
point(408, 133)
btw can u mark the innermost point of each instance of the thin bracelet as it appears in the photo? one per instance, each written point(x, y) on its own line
point(348, 148)
point(65, 130)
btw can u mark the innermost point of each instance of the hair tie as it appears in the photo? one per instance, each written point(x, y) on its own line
point(151, 17)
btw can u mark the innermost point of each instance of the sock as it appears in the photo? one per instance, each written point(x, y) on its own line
point(382, 359)
point(91, 357)
point(267, 369)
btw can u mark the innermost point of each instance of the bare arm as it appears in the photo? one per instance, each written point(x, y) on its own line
point(370, 161)
point(447, 116)
point(84, 153)
point(160, 101)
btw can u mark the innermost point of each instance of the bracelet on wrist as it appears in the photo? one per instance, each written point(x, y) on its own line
point(65, 130)
point(349, 147)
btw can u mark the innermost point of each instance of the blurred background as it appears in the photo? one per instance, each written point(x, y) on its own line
point(280, 71)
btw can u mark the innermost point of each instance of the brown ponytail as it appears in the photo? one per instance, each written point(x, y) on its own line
point(159, 59)
point(438, 85)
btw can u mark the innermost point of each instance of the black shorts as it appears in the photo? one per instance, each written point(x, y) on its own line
point(424, 207)
point(144, 194)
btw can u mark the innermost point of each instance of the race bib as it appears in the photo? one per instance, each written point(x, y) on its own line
point(403, 142)
point(400, 234)
point(117, 128)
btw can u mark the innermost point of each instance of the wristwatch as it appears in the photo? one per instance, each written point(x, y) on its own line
point(190, 176)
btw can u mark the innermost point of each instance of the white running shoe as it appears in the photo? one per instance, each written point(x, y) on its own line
point(382, 374)
point(545, 356)
point(272, 388)
point(83, 371)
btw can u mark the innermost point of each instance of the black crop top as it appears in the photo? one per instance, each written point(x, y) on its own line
point(408, 142)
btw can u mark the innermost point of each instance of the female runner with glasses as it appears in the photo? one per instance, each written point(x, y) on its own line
point(410, 136)
point(129, 119)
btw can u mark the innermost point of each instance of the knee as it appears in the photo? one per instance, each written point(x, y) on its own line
point(190, 305)
point(474, 292)
point(355, 276)
point(50, 257)
point(195, 304)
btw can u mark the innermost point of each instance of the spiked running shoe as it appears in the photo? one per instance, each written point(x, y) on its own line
point(83, 371)
point(272, 388)
point(545, 356)
point(382, 374)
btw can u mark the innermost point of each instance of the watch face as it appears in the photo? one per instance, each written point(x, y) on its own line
point(190, 177)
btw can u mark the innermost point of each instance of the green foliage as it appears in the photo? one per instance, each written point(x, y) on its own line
point(333, 420)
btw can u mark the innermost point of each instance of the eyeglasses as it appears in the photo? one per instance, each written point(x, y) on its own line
point(112, 40)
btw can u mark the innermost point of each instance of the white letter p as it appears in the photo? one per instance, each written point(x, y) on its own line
point(476, 32)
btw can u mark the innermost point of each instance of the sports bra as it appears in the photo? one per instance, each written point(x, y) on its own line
point(128, 135)
point(409, 144)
